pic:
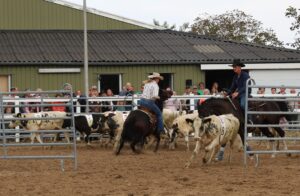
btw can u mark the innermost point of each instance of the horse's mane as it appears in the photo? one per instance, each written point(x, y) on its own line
point(164, 95)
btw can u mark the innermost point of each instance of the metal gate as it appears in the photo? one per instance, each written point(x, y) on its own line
point(250, 113)
point(12, 103)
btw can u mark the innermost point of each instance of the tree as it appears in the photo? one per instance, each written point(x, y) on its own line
point(291, 12)
point(184, 27)
point(237, 26)
point(164, 25)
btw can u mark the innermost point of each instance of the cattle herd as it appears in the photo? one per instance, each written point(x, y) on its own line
point(209, 132)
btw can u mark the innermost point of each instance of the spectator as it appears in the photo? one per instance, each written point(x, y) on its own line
point(141, 89)
point(201, 88)
point(214, 88)
point(172, 103)
point(273, 90)
point(282, 90)
point(293, 104)
point(105, 105)
point(56, 107)
point(94, 105)
point(261, 91)
point(202, 100)
point(10, 110)
point(128, 90)
point(27, 109)
point(111, 104)
point(68, 87)
point(195, 90)
point(81, 99)
point(292, 91)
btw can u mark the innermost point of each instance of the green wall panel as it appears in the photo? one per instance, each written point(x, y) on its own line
point(40, 14)
point(26, 76)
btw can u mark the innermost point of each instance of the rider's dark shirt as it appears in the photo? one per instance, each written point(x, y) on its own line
point(239, 84)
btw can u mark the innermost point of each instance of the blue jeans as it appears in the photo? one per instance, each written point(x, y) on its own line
point(242, 99)
point(150, 104)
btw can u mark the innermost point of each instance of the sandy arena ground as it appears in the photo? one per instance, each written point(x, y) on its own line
point(100, 172)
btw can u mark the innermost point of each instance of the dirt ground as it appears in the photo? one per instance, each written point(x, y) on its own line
point(100, 172)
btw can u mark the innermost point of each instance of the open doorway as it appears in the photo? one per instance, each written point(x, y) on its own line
point(222, 77)
point(167, 82)
point(4, 83)
point(110, 81)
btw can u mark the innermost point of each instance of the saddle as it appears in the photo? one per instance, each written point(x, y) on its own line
point(150, 114)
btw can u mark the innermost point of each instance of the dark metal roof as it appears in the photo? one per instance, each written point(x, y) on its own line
point(131, 47)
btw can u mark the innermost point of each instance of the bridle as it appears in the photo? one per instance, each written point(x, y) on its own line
point(257, 106)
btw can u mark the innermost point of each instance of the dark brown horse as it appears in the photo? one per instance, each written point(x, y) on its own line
point(262, 106)
point(220, 106)
point(138, 125)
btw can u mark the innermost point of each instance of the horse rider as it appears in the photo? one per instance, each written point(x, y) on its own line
point(237, 91)
point(238, 85)
point(149, 95)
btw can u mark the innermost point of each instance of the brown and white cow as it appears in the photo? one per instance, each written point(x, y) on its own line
point(212, 132)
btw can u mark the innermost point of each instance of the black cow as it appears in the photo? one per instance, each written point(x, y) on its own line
point(83, 125)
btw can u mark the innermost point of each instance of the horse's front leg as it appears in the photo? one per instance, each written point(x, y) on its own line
point(157, 141)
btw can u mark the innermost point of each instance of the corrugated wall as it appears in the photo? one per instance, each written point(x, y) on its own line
point(26, 76)
point(39, 14)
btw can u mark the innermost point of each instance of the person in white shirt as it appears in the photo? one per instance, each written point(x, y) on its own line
point(172, 103)
point(149, 95)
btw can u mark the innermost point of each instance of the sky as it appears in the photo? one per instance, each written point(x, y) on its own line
point(269, 12)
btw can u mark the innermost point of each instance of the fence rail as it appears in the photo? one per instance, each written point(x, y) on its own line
point(13, 137)
point(292, 100)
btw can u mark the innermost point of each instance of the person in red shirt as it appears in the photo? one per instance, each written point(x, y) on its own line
point(58, 108)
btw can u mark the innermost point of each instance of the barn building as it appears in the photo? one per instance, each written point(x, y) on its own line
point(41, 45)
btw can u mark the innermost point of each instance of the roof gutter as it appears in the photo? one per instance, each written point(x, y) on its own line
point(208, 62)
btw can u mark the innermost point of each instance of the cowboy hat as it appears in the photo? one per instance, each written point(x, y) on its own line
point(237, 62)
point(155, 75)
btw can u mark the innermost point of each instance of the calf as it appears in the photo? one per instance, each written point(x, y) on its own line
point(212, 132)
point(183, 128)
point(40, 123)
point(111, 123)
point(85, 124)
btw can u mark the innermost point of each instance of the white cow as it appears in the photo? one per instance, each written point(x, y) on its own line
point(183, 128)
point(212, 132)
point(168, 117)
point(41, 122)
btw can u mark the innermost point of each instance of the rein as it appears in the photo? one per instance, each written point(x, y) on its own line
point(257, 106)
point(231, 103)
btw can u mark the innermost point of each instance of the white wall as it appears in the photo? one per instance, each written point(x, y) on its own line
point(276, 77)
